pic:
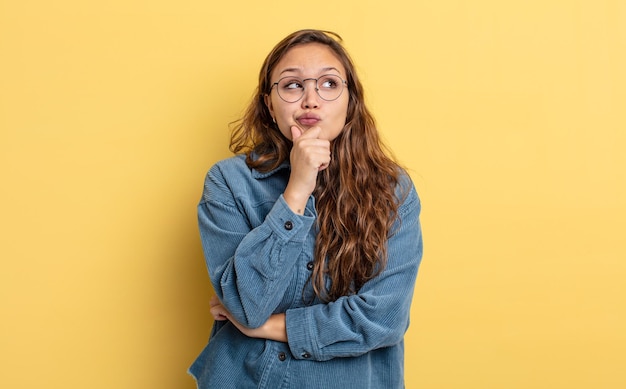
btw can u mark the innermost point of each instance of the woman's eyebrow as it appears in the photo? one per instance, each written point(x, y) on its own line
point(331, 68)
point(323, 70)
point(290, 70)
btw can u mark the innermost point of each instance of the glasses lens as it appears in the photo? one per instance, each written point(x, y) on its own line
point(291, 89)
point(329, 87)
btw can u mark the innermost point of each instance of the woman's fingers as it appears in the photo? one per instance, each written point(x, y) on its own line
point(217, 309)
point(308, 150)
point(309, 155)
point(219, 313)
point(296, 132)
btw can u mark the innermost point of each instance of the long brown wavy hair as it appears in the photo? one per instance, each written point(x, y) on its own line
point(355, 196)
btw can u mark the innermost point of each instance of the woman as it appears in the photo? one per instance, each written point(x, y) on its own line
point(311, 234)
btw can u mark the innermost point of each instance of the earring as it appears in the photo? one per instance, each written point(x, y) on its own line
point(274, 119)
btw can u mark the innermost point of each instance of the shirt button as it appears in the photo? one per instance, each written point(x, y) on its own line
point(288, 225)
point(306, 355)
point(282, 356)
point(309, 265)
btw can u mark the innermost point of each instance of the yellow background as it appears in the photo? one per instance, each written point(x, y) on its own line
point(509, 114)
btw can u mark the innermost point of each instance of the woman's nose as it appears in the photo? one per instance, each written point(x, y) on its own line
point(310, 98)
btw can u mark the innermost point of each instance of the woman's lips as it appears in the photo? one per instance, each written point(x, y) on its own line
point(308, 121)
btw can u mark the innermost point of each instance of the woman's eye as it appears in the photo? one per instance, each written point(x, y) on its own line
point(292, 84)
point(329, 84)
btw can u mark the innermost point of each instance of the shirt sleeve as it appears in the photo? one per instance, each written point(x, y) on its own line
point(251, 283)
point(378, 315)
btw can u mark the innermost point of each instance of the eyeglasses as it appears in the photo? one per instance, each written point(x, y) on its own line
point(291, 89)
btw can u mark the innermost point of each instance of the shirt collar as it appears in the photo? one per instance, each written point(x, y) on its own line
point(260, 175)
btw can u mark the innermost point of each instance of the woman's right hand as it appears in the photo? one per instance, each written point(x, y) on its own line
point(309, 156)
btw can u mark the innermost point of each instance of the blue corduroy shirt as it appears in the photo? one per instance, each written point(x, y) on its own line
point(260, 254)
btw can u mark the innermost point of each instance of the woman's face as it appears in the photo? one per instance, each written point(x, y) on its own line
point(303, 63)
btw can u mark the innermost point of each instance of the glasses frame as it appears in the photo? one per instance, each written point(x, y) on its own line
point(344, 85)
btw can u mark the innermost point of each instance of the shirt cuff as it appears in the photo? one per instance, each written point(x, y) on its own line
point(299, 338)
point(288, 225)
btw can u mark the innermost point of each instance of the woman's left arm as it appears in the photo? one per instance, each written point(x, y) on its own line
point(378, 315)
